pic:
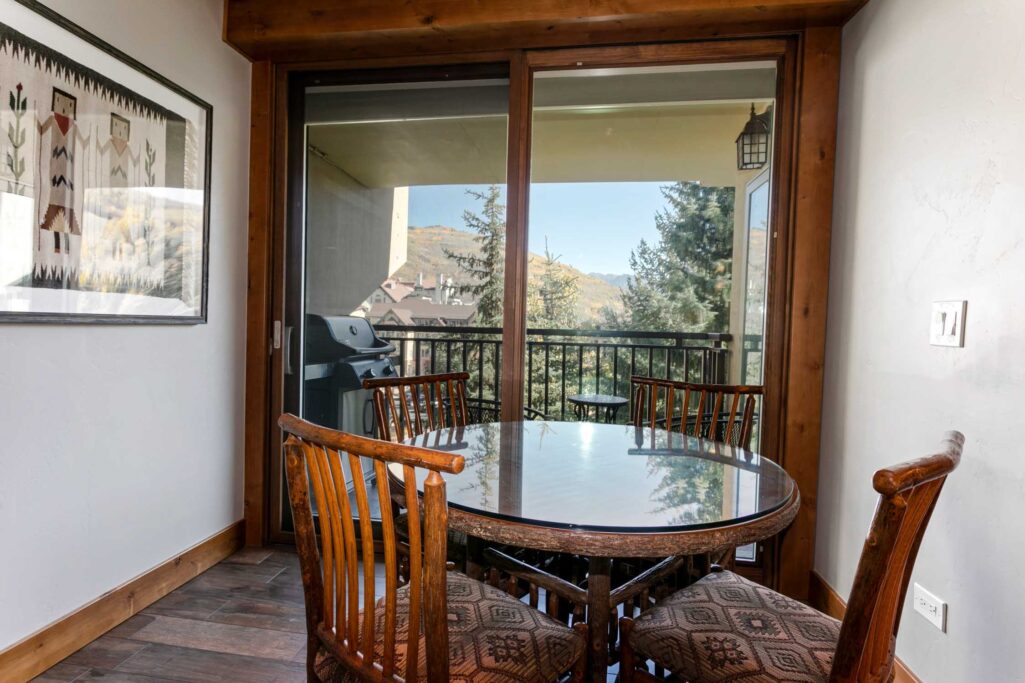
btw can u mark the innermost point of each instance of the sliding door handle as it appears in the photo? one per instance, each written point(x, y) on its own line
point(288, 350)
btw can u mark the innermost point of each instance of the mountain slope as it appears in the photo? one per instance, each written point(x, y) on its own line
point(618, 280)
point(425, 253)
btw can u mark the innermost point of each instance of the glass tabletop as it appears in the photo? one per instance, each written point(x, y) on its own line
point(604, 477)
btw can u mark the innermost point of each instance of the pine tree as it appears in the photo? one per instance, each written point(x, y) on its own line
point(682, 283)
point(551, 304)
point(552, 297)
point(699, 226)
point(486, 269)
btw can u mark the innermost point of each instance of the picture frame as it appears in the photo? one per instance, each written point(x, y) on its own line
point(104, 181)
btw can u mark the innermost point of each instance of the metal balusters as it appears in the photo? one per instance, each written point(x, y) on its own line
point(674, 356)
point(580, 369)
point(615, 369)
point(530, 374)
point(562, 412)
point(545, 411)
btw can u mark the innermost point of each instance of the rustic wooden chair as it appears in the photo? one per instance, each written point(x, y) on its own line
point(440, 626)
point(710, 411)
point(725, 628)
point(719, 412)
point(406, 407)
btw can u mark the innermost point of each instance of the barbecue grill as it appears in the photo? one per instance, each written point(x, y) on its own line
point(342, 351)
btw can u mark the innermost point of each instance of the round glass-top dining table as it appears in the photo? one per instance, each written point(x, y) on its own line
point(607, 491)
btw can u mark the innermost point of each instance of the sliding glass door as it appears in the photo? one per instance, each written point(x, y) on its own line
point(552, 225)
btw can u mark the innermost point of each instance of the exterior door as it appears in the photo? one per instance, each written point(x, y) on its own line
point(551, 225)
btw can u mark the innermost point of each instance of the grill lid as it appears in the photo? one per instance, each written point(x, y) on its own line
point(342, 337)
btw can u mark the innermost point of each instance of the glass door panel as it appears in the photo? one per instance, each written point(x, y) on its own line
point(636, 228)
point(405, 221)
point(648, 249)
point(756, 279)
point(403, 242)
point(752, 332)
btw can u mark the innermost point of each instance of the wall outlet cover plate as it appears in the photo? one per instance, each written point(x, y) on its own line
point(947, 325)
point(931, 607)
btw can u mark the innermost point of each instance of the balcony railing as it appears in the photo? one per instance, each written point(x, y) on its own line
point(560, 363)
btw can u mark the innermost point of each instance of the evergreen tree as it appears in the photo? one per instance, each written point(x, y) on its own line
point(682, 283)
point(486, 269)
point(552, 297)
point(552, 304)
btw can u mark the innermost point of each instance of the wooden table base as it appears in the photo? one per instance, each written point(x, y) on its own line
point(599, 603)
point(598, 613)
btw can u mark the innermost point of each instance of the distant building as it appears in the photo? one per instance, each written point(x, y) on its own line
point(433, 301)
point(389, 291)
point(413, 311)
point(420, 313)
point(440, 289)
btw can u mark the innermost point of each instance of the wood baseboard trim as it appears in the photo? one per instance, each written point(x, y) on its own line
point(822, 597)
point(36, 653)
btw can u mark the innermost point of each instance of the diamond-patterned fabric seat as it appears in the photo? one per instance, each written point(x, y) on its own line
point(492, 638)
point(725, 628)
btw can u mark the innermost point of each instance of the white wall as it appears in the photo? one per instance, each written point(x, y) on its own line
point(930, 205)
point(122, 446)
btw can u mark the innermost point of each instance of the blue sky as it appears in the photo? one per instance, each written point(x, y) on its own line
point(592, 226)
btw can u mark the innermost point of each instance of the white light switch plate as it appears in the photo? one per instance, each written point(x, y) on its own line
point(947, 326)
point(931, 607)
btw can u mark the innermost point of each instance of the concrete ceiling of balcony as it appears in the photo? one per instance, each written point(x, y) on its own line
point(654, 124)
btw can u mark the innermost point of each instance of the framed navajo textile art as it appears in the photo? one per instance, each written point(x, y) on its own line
point(104, 180)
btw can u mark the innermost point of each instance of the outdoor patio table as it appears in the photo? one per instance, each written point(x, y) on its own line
point(602, 403)
point(607, 491)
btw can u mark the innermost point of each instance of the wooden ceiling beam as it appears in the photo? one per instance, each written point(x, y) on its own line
point(315, 30)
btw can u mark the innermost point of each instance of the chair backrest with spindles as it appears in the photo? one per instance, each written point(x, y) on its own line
point(720, 412)
point(907, 496)
point(409, 406)
point(365, 641)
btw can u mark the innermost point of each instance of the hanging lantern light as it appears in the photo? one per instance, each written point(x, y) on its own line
point(753, 141)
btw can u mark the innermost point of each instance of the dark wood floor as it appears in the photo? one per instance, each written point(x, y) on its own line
point(242, 620)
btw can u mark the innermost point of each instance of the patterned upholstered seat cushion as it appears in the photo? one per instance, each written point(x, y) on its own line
point(726, 628)
point(492, 637)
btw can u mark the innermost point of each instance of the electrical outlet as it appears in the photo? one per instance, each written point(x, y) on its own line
point(931, 607)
